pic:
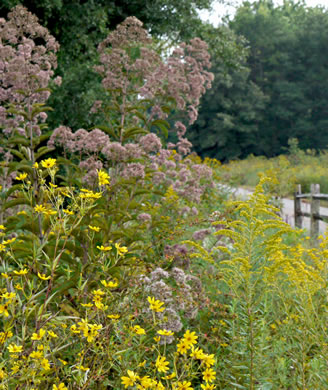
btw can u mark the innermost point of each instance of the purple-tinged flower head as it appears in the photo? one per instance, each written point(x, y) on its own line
point(28, 60)
point(134, 170)
point(150, 143)
point(133, 151)
point(96, 107)
point(115, 152)
point(62, 136)
point(199, 235)
point(96, 140)
point(144, 217)
point(158, 274)
point(91, 165)
point(194, 210)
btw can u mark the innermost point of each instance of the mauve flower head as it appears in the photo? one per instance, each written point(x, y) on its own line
point(115, 152)
point(199, 235)
point(133, 151)
point(134, 170)
point(28, 60)
point(144, 217)
point(150, 143)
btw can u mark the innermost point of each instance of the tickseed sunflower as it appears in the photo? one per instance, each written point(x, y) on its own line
point(183, 347)
point(207, 386)
point(94, 228)
point(190, 338)
point(209, 375)
point(184, 385)
point(161, 364)
point(13, 348)
point(155, 305)
point(129, 380)
point(39, 335)
point(21, 272)
point(61, 386)
point(164, 332)
point(48, 163)
point(21, 176)
point(103, 178)
point(43, 276)
point(138, 330)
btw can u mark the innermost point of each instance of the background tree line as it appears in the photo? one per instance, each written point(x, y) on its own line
point(269, 62)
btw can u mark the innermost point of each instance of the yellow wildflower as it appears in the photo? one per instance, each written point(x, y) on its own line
point(94, 228)
point(21, 272)
point(22, 176)
point(104, 248)
point(129, 380)
point(190, 337)
point(103, 178)
point(184, 386)
point(61, 386)
point(161, 364)
point(39, 335)
point(183, 347)
point(45, 364)
point(36, 355)
point(109, 284)
point(13, 348)
point(48, 163)
point(209, 375)
point(114, 316)
point(43, 276)
point(164, 332)
point(138, 330)
point(52, 334)
point(155, 305)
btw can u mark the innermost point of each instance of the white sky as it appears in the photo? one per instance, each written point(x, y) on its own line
point(220, 10)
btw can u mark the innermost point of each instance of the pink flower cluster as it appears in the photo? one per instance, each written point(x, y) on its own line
point(27, 63)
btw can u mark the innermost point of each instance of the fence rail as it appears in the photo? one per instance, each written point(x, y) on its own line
point(314, 213)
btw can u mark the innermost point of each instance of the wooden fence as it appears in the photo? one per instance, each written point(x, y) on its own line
point(314, 213)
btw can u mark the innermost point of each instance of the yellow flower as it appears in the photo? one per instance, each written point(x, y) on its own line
point(94, 228)
point(87, 304)
point(197, 353)
point(4, 275)
point(184, 385)
point(109, 284)
point(36, 165)
point(2, 247)
point(209, 360)
point(64, 362)
point(164, 332)
point(23, 212)
point(61, 386)
point(161, 364)
point(129, 380)
point(157, 339)
point(142, 364)
point(10, 241)
point(114, 316)
point(80, 367)
point(171, 376)
point(183, 347)
point(5, 336)
point(155, 305)
point(209, 375)
point(69, 212)
point(45, 364)
point(36, 355)
point(43, 276)
point(190, 337)
point(52, 334)
point(18, 286)
point(207, 386)
point(13, 348)
point(104, 248)
point(103, 178)
point(21, 272)
point(40, 208)
point(2, 227)
point(48, 163)
point(53, 185)
point(38, 336)
point(15, 369)
point(121, 250)
point(4, 310)
point(138, 330)
point(22, 176)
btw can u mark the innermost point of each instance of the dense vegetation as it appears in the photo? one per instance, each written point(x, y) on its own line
point(122, 265)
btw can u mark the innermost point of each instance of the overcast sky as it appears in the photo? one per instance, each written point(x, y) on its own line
point(220, 10)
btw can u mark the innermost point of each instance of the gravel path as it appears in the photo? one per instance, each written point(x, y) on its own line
point(288, 210)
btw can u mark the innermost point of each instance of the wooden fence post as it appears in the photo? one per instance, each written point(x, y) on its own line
point(297, 206)
point(315, 210)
